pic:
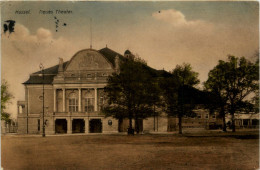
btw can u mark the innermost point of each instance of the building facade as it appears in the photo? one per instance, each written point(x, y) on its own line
point(71, 96)
point(74, 97)
point(244, 120)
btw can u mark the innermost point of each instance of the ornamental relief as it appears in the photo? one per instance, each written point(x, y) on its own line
point(88, 60)
point(86, 75)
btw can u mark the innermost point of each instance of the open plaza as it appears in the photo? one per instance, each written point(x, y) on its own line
point(192, 150)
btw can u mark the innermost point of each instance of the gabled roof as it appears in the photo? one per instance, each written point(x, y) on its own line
point(110, 55)
point(34, 79)
point(51, 72)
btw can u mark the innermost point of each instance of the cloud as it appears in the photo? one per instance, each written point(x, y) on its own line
point(171, 39)
point(22, 52)
point(174, 17)
point(43, 34)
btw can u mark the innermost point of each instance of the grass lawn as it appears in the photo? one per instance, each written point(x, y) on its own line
point(190, 151)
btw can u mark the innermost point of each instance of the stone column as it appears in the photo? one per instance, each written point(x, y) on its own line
point(69, 125)
point(79, 99)
point(96, 100)
point(63, 100)
point(53, 125)
point(86, 125)
point(54, 104)
point(20, 109)
point(28, 103)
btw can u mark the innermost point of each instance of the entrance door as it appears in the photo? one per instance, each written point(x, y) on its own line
point(78, 126)
point(95, 126)
point(60, 126)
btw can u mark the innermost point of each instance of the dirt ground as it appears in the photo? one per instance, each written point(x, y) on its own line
point(169, 151)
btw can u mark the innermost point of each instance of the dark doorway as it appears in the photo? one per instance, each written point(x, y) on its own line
point(123, 125)
point(39, 125)
point(95, 126)
point(255, 122)
point(245, 122)
point(60, 126)
point(139, 126)
point(78, 126)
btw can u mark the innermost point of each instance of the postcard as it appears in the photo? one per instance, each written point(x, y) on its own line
point(129, 84)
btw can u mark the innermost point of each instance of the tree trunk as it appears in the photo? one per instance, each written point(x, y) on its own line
point(224, 124)
point(233, 121)
point(180, 124)
point(154, 117)
point(130, 130)
point(222, 113)
point(136, 126)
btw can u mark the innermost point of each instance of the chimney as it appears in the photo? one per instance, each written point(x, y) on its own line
point(60, 65)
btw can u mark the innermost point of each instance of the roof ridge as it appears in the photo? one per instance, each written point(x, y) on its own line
point(110, 50)
point(52, 67)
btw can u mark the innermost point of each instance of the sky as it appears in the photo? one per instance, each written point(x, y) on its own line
point(165, 34)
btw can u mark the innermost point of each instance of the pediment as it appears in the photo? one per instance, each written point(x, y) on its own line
point(88, 60)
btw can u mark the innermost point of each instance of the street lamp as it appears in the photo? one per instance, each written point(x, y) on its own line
point(43, 123)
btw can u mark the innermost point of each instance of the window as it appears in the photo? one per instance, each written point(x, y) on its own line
point(89, 105)
point(101, 103)
point(199, 116)
point(73, 103)
point(101, 99)
point(207, 116)
point(39, 123)
point(89, 101)
point(20, 109)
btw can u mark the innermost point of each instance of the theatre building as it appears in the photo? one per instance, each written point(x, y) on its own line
point(74, 97)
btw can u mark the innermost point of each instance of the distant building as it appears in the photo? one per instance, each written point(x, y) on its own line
point(202, 119)
point(245, 120)
point(8, 127)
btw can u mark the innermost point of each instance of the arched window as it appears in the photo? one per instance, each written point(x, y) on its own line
point(101, 99)
point(73, 103)
point(89, 101)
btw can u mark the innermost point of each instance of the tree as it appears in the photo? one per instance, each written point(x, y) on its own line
point(216, 102)
point(6, 96)
point(177, 100)
point(233, 82)
point(131, 93)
